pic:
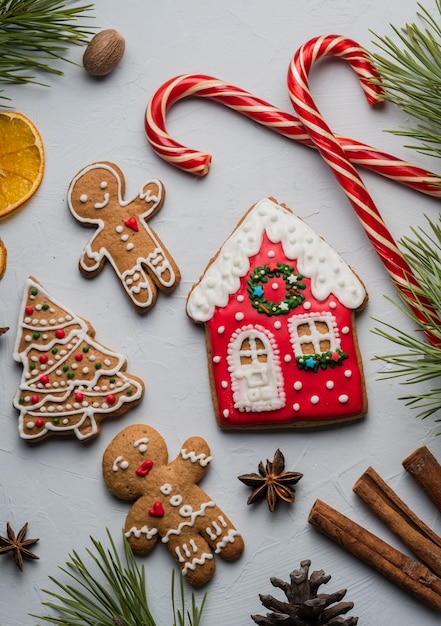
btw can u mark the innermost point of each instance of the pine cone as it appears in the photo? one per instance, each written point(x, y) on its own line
point(305, 607)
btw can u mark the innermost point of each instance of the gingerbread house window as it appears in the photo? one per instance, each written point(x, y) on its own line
point(315, 333)
point(256, 375)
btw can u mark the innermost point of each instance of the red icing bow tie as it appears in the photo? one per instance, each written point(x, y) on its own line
point(144, 468)
point(132, 224)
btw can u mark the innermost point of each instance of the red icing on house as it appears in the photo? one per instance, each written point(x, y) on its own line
point(278, 304)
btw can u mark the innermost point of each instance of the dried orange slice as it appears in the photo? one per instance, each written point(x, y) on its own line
point(21, 161)
point(2, 259)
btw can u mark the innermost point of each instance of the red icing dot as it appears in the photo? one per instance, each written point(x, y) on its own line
point(79, 396)
point(29, 310)
point(35, 399)
point(111, 398)
point(44, 379)
point(39, 422)
point(44, 358)
point(78, 356)
point(60, 334)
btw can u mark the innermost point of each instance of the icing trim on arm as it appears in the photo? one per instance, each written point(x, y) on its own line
point(202, 458)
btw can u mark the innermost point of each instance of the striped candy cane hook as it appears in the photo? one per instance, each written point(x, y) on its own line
point(261, 112)
point(333, 153)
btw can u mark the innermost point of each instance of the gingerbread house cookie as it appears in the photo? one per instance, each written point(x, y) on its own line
point(278, 305)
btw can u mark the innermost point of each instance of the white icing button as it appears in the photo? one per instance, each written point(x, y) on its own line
point(119, 229)
point(315, 399)
point(343, 398)
point(330, 384)
point(166, 489)
point(30, 425)
point(176, 500)
point(103, 185)
point(130, 247)
point(83, 197)
point(124, 238)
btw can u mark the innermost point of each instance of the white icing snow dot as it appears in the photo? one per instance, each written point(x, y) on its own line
point(343, 398)
point(315, 399)
point(330, 384)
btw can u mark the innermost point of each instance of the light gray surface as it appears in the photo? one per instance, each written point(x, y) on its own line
point(57, 486)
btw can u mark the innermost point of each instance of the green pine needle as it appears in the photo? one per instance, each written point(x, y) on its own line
point(36, 33)
point(111, 593)
point(419, 360)
point(410, 70)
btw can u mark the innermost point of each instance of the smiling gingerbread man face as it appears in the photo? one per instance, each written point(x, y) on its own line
point(122, 237)
point(169, 506)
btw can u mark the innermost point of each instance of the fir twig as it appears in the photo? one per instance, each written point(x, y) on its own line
point(35, 33)
point(410, 70)
point(420, 360)
point(113, 593)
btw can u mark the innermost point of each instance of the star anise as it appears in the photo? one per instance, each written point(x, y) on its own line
point(272, 482)
point(18, 545)
point(4, 330)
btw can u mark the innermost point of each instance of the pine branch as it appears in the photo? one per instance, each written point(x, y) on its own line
point(419, 361)
point(36, 33)
point(411, 77)
point(113, 593)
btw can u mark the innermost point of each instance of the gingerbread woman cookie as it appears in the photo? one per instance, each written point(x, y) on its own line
point(140, 260)
point(168, 504)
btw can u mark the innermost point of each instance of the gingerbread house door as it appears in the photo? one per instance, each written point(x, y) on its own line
point(256, 375)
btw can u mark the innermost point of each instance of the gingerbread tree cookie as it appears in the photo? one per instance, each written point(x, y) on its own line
point(70, 382)
point(123, 238)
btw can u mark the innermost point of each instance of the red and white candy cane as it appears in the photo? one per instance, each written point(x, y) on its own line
point(333, 153)
point(286, 124)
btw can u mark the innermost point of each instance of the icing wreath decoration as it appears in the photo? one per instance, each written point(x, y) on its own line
point(259, 280)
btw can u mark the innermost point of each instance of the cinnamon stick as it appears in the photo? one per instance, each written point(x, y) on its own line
point(426, 470)
point(413, 532)
point(410, 575)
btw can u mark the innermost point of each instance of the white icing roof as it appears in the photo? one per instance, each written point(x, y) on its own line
point(315, 260)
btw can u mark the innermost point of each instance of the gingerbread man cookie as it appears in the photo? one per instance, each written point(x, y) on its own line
point(140, 260)
point(168, 504)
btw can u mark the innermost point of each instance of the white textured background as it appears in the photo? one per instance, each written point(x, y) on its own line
point(57, 485)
